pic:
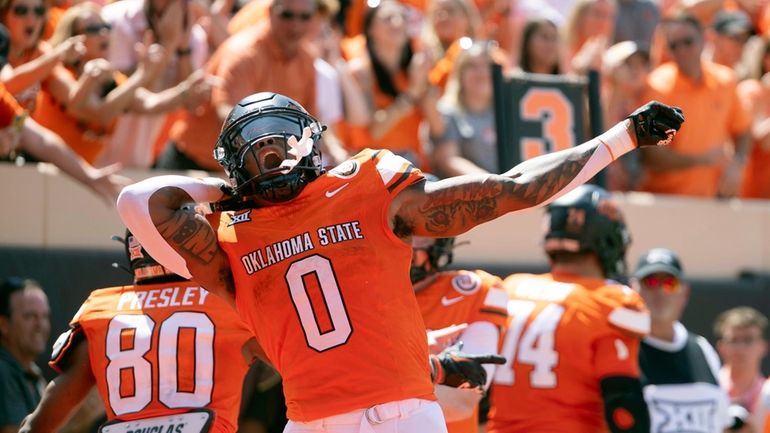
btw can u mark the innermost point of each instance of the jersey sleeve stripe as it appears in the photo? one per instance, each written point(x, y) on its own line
point(630, 320)
point(404, 176)
point(496, 298)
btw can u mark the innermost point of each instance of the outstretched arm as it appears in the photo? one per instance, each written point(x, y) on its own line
point(456, 205)
point(159, 212)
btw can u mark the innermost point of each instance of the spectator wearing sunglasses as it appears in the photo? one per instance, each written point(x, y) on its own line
point(707, 157)
point(87, 116)
point(268, 56)
point(680, 369)
point(31, 62)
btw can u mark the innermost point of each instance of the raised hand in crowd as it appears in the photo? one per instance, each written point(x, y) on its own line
point(71, 50)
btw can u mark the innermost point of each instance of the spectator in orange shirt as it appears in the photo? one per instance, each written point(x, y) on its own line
point(32, 63)
point(104, 93)
point(756, 94)
point(445, 23)
point(19, 134)
point(707, 157)
point(271, 57)
point(395, 81)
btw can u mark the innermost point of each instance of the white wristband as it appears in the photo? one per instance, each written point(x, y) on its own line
point(618, 140)
point(133, 208)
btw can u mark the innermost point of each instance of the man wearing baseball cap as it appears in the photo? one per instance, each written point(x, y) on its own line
point(679, 368)
point(731, 30)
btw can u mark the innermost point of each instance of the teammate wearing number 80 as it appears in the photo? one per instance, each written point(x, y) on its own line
point(164, 354)
point(317, 263)
point(573, 336)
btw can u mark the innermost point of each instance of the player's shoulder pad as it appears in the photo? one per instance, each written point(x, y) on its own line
point(394, 171)
point(626, 309)
point(63, 347)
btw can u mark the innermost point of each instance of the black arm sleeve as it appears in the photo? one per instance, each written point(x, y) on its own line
point(624, 405)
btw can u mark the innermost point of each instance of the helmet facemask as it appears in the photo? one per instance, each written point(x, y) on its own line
point(261, 158)
point(439, 256)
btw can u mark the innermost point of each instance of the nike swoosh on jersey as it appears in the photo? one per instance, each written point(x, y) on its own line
point(449, 301)
point(332, 193)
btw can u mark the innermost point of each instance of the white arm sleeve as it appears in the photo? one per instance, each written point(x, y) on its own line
point(616, 142)
point(482, 338)
point(133, 208)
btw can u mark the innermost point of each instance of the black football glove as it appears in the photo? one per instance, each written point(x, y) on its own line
point(454, 368)
point(656, 123)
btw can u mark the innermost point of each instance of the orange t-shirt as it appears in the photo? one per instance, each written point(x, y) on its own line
point(324, 284)
point(200, 339)
point(463, 297)
point(253, 12)
point(565, 334)
point(403, 138)
point(713, 115)
point(756, 181)
point(9, 108)
point(248, 62)
point(84, 138)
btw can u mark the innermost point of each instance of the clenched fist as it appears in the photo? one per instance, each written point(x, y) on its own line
point(656, 123)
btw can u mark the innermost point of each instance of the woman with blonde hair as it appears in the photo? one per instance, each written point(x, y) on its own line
point(33, 63)
point(468, 144)
point(589, 33)
point(86, 116)
point(445, 23)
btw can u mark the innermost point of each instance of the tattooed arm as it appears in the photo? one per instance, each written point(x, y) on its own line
point(191, 235)
point(456, 205)
point(453, 206)
point(158, 212)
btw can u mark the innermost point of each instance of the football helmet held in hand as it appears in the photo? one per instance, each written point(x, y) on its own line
point(656, 123)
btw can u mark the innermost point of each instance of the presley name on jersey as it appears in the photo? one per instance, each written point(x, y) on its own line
point(162, 349)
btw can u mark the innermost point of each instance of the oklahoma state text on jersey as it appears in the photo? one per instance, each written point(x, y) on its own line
point(565, 334)
point(324, 284)
point(463, 297)
point(161, 349)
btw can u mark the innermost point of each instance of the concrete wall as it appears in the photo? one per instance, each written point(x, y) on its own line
point(716, 239)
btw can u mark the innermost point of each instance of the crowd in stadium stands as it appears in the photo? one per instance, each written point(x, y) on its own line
point(147, 83)
point(94, 87)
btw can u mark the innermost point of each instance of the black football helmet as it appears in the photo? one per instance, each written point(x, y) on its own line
point(144, 268)
point(587, 220)
point(253, 145)
point(440, 256)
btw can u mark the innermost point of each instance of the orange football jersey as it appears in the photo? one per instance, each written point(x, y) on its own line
point(463, 297)
point(565, 334)
point(324, 284)
point(162, 349)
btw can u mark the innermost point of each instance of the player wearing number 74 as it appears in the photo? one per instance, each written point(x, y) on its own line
point(317, 262)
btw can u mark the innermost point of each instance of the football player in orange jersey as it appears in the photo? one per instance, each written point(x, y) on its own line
point(317, 263)
point(573, 340)
point(458, 296)
point(164, 355)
